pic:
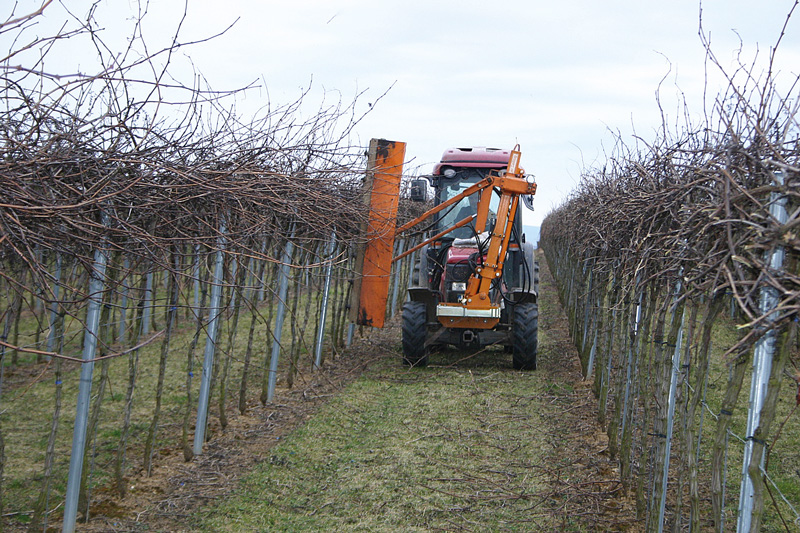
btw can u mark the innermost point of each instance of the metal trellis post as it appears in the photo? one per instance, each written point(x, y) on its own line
point(147, 311)
point(96, 287)
point(630, 351)
point(123, 306)
point(762, 366)
point(587, 307)
point(592, 353)
point(325, 298)
point(283, 289)
point(398, 269)
point(211, 344)
point(196, 278)
point(411, 266)
point(673, 391)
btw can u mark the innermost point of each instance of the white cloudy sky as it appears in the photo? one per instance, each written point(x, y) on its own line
point(553, 76)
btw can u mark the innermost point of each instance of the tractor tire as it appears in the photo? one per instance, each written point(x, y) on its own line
point(525, 336)
point(415, 331)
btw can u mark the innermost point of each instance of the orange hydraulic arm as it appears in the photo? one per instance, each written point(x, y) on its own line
point(476, 310)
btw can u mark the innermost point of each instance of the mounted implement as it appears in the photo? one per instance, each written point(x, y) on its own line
point(475, 282)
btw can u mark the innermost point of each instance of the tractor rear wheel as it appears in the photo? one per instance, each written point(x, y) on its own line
point(415, 353)
point(525, 336)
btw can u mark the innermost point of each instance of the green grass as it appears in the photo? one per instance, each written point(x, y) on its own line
point(28, 402)
point(404, 450)
point(465, 444)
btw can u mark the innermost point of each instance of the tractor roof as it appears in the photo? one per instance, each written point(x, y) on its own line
point(476, 157)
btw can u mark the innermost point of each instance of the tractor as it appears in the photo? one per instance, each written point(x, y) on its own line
point(475, 280)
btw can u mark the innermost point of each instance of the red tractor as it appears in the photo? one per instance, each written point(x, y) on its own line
point(475, 282)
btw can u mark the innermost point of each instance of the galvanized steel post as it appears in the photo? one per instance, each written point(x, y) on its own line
point(123, 305)
point(592, 353)
point(283, 289)
point(325, 298)
point(398, 270)
point(97, 277)
point(631, 347)
point(196, 278)
point(215, 310)
point(671, 401)
point(587, 307)
point(411, 266)
point(762, 365)
point(147, 311)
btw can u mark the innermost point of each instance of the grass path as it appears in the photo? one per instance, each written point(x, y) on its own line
point(467, 444)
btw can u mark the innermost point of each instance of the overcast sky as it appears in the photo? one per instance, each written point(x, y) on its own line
point(553, 76)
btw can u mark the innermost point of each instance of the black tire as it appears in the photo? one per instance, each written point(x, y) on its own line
point(415, 353)
point(525, 336)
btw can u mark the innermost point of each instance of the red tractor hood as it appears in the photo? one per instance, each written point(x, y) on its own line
point(459, 254)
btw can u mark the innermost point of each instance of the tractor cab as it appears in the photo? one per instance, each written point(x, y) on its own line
point(459, 169)
point(454, 181)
